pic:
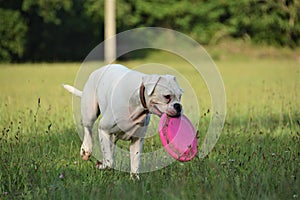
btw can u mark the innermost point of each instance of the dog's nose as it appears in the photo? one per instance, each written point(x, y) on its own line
point(177, 107)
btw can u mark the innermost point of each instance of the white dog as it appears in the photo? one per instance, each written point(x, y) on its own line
point(124, 98)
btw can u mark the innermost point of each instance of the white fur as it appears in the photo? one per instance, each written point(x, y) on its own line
point(72, 90)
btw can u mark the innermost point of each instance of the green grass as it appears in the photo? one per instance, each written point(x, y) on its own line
point(257, 156)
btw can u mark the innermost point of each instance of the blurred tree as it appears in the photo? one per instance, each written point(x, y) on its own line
point(12, 32)
point(48, 10)
point(60, 30)
point(273, 22)
point(66, 30)
point(52, 30)
point(201, 19)
point(70, 35)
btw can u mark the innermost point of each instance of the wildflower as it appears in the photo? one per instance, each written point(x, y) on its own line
point(273, 154)
point(61, 176)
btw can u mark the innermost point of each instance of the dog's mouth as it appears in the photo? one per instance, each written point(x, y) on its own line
point(172, 113)
point(157, 111)
point(169, 112)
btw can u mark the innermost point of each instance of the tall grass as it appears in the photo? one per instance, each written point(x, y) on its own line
point(257, 156)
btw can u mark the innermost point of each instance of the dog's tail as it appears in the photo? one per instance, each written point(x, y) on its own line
point(73, 90)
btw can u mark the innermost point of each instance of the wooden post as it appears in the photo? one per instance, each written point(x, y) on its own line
point(110, 30)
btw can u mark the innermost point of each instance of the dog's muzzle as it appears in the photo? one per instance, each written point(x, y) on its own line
point(175, 110)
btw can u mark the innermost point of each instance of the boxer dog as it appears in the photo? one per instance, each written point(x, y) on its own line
point(125, 99)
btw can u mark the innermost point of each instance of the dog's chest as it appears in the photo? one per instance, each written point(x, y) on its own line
point(127, 129)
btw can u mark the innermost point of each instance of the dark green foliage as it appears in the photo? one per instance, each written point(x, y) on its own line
point(48, 10)
point(69, 36)
point(69, 29)
point(12, 33)
point(57, 30)
point(270, 22)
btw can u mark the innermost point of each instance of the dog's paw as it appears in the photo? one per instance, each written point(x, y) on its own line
point(85, 155)
point(134, 177)
point(101, 165)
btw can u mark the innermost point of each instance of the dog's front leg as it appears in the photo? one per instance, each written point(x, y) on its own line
point(107, 142)
point(136, 147)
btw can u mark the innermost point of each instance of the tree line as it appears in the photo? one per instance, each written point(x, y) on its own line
point(66, 30)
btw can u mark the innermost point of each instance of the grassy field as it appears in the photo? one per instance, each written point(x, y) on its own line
point(256, 157)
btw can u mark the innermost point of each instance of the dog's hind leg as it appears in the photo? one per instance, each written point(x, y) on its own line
point(89, 112)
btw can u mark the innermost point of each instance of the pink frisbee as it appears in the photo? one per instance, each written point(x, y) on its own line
point(178, 136)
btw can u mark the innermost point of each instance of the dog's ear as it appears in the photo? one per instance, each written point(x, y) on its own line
point(150, 82)
point(174, 85)
point(179, 89)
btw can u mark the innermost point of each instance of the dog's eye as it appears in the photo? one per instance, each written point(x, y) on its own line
point(168, 97)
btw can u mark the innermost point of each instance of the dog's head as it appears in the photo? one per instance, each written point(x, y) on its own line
point(163, 94)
